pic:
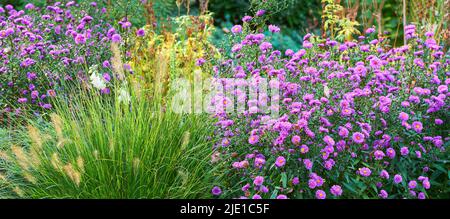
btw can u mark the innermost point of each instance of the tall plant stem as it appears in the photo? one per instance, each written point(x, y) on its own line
point(404, 21)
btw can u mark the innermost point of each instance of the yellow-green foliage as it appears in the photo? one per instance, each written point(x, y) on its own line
point(167, 54)
point(339, 26)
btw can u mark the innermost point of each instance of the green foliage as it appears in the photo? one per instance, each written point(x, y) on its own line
point(109, 149)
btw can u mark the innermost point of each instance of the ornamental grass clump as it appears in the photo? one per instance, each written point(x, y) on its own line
point(108, 148)
point(352, 119)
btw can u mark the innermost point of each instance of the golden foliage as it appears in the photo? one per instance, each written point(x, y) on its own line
point(162, 56)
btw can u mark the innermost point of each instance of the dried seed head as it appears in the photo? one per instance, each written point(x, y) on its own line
point(136, 162)
point(184, 176)
point(58, 125)
point(186, 139)
point(21, 157)
point(29, 177)
point(35, 136)
point(95, 153)
point(80, 164)
point(74, 175)
point(4, 156)
point(56, 162)
point(18, 191)
point(116, 61)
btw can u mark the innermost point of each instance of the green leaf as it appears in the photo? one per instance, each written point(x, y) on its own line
point(440, 167)
point(284, 179)
point(274, 194)
point(349, 187)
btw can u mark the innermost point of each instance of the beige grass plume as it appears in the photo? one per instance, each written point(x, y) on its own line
point(74, 175)
point(58, 125)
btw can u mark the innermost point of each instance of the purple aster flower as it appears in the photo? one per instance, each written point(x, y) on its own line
point(403, 117)
point(265, 46)
point(29, 6)
point(246, 187)
point(256, 196)
point(336, 190)
point(379, 155)
point(246, 19)
point(260, 13)
point(236, 48)
point(343, 132)
point(295, 181)
point(259, 180)
point(370, 30)
point(358, 137)
point(329, 141)
point(438, 121)
point(116, 38)
point(22, 100)
point(47, 106)
point(308, 164)
point(404, 151)
point(417, 126)
point(320, 194)
point(384, 174)
point(412, 184)
point(200, 62)
point(281, 161)
point(253, 139)
point(304, 149)
point(397, 178)
point(216, 191)
point(364, 171)
point(426, 184)
point(296, 139)
point(140, 33)
point(312, 183)
point(274, 29)
point(390, 153)
point(80, 39)
point(225, 142)
point(421, 195)
point(281, 197)
point(236, 29)
point(107, 77)
point(383, 194)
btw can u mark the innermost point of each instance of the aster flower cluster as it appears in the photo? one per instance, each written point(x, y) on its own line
point(42, 48)
point(355, 119)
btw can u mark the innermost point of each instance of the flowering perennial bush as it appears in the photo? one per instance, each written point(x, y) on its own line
point(41, 48)
point(356, 119)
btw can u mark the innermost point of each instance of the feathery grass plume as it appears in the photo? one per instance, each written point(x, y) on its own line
point(80, 164)
point(137, 87)
point(136, 162)
point(58, 125)
point(116, 61)
point(186, 139)
point(95, 153)
point(111, 145)
point(35, 137)
point(161, 76)
point(4, 156)
point(29, 177)
point(19, 191)
point(21, 157)
point(184, 177)
point(74, 175)
point(56, 162)
point(36, 145)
